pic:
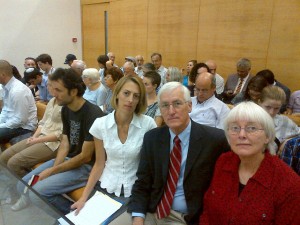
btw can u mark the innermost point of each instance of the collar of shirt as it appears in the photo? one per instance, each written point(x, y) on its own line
point(207, 100)
point(9, 84)
point(161, 69)
point(184, 137)
point(244, 79)
point(111, 120)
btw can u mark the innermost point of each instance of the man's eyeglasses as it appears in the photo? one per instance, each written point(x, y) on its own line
point(248, 129)
point(204, 91)
point(176, 105)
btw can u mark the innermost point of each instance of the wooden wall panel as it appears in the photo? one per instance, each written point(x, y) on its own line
point(284, 50)
point(267, 32)
point(128, 28)
point(172, 30)
point(229, 30)
point(93, 32)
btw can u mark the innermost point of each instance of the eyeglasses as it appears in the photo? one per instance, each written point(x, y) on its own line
point(176, 105)
point(248, 129)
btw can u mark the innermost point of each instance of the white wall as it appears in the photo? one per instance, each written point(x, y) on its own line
point(32, 27)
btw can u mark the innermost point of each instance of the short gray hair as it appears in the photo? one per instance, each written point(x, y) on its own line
point(243, 63)
point(175, 74)
point(92, 74)
point(170, 86)
point(249, 111)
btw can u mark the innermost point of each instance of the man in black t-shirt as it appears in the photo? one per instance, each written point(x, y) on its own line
point(75, 157)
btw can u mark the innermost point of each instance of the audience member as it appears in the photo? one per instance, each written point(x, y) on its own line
point(293, 106)
point(69, 59)
point(79, 66)
point(253, 90)
point(206, 108)
point(152, 81)
point(165, 194)
point(272, 98)
point(237, 83)
point(75, 157)
point(95, 91)
point(18, 115)
point(112, 76)
point(189, 66)
point(148, 67)
point(196, 70)
point(118, 140)
point(139, 63)
point(44, 61)
point(40, 147)
point(128, 69)
point(269, 76)
point(219, 79)
point(156, 59)
point(112, 58)
point(35, 78)
point(130, 59)
point(30, 62)
point(102, 60)
point(173, 74)
point(250, 186)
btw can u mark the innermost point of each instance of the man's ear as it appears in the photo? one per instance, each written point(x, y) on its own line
point(74, 92)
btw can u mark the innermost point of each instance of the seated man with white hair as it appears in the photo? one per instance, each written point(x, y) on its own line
point(79, 66)
point(128, 69)
point(95, 91)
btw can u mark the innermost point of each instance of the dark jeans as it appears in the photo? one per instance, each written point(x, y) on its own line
point(6, 134)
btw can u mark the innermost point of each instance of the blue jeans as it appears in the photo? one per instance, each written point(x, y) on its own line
point(52, 188)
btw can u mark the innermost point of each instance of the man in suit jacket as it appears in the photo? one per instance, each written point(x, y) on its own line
point(231, 88)
point(200, 148)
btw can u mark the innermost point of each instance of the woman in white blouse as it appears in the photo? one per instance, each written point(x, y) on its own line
point(118, 141)
point(272, 98)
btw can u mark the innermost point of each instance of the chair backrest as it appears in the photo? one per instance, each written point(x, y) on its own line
point(41, 108)
point(295, 118)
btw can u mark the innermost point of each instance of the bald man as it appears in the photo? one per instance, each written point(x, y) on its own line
point(219, 79)
point(19, 113)
point(206, 108)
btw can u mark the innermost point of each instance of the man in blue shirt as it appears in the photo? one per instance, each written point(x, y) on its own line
point(34, 77)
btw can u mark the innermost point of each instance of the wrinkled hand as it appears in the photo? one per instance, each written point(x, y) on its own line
point(46, 173)
point(78, 206)
point(138, 221)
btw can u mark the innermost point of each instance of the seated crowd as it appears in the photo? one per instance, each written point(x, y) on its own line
point(174, 147)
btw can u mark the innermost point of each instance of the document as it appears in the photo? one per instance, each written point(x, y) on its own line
point(96, 210)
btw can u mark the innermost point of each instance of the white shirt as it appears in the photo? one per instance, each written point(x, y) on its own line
point(139, 72)
point(219, 84)
point(244, 82)
point(19, 109)
point(122, 159)
point(212, 112)
point(285, 127)
point(162, 72)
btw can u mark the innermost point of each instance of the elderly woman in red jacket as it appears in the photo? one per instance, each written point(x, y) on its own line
point(249, 185)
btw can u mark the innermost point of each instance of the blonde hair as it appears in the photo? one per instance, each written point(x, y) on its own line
point(142, 104)
point(274, 93)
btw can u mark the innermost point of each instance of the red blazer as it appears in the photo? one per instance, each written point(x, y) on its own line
point(271, 196)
